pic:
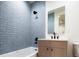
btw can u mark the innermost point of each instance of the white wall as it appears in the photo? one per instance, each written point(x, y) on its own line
point(72, 20)
point(71, 17)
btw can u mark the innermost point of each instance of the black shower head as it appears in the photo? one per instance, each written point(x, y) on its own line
point(34, 12)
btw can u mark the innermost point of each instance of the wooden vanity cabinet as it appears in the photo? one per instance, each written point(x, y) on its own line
point(52, 48)
point(43, 52)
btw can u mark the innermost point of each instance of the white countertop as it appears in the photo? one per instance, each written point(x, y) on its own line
point(61, 38)
point(53, 39)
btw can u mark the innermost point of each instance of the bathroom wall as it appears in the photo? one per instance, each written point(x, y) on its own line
point(38, 25)
point(14, 26)
point(72, 27)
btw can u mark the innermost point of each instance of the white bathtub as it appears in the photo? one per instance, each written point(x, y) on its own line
point(26, 52)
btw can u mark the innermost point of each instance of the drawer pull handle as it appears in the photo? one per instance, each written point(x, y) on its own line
point(47, 48)
point(51, 49)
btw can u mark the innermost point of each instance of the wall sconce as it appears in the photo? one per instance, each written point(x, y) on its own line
point(35, 13)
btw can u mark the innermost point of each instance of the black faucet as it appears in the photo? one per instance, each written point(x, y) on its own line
point(55, 36)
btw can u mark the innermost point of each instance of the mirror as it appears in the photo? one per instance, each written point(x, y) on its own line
point(56, 21)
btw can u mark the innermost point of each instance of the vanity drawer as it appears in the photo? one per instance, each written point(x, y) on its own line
point(59, 44)
point(43, 43)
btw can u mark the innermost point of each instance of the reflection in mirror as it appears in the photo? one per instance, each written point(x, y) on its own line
point(50, 23)
point(56, 21)
point(62, 23)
